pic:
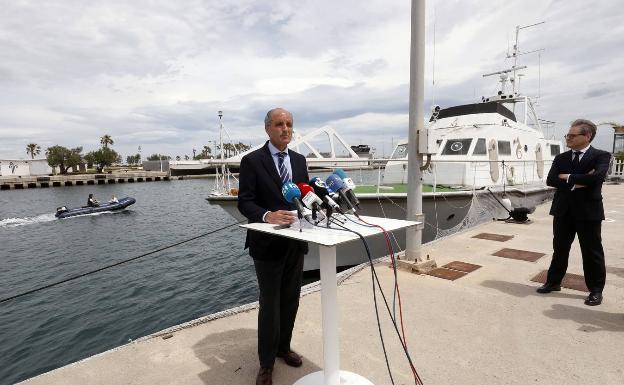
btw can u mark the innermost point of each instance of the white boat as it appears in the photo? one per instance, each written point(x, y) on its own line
point(484, 152)
point(482, 144)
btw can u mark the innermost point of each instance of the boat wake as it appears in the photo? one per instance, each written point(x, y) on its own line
point(16, 222)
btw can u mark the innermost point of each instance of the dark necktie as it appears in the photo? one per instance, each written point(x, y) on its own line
point(283, 171)
point(575, 161)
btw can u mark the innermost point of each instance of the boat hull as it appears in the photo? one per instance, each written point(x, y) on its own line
point(444, 214)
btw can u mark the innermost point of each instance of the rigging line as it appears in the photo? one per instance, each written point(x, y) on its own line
point(115, 264)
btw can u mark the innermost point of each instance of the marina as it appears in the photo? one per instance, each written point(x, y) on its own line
point(157, 286)
point(489, 325)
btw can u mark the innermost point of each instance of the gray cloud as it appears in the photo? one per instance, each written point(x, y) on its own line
point(155, 73)
point(600, 92)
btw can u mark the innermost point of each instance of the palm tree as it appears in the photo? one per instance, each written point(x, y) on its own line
point(33, 149)
point(106, 140)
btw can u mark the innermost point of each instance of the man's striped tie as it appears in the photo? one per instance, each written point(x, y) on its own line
point(283, 171)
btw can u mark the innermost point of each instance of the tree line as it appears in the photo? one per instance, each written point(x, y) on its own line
point(67, 159)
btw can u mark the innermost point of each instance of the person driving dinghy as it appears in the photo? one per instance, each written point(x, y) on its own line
point(92, 202)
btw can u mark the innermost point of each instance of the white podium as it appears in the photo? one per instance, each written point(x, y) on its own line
point(328, 239)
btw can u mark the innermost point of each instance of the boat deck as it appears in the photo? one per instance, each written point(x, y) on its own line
point(487, 327)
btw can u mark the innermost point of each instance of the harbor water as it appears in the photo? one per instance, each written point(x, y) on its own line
point(54, 327)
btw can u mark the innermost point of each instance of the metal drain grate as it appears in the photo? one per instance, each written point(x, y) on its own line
point(444, 273)
point(462, 266)
point(494, 237)
point(570, 281)
point(522, 255)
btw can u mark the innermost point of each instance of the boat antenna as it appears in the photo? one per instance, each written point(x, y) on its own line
point(539, 75)
point(516, 52)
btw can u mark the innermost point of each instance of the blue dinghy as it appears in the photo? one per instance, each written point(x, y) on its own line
point(63, 212)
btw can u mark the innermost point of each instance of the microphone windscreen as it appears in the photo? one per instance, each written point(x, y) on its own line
point(319, 186)
point(304, 188)
point(290, 191)
point(334, 183)
point(340, 172)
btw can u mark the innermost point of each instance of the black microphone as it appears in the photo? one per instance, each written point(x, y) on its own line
point(321, 190)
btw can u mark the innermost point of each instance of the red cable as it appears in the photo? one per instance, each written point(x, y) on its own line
point(396, 285)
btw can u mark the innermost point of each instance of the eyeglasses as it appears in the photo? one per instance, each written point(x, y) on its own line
point(570, 136)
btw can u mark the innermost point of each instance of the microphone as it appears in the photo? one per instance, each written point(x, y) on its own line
point(321, 191)
point(335, 184)
point(310, 199)
point(349, 185)
point(292, 194)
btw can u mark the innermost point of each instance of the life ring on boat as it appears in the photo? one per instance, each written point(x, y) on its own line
point(519, 151)
point(539, 160)
point(493, 156)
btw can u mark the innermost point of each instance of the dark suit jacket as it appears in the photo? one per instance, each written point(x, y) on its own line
point(260, 190)
point(586, 202)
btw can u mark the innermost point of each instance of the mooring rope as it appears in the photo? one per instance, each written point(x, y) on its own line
point(116, 264)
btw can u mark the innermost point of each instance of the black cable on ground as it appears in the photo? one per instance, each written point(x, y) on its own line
point(391, 250)
point(383, 345)
point(417, 378)
point(115, 264)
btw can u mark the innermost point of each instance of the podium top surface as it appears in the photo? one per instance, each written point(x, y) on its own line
point(334, 235)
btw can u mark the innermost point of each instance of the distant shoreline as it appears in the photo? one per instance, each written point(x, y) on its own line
point(66, 180)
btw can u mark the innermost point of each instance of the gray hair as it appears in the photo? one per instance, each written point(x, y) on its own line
point(586, 127)
point(269, 116)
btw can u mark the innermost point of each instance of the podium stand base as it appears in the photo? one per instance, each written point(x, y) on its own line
point(346, 378)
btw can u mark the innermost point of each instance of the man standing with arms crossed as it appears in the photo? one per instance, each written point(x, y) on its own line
point(278, 261)
point(577, 209)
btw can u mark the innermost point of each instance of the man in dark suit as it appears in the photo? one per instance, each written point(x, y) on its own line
point(577, 209)
point(278, 260)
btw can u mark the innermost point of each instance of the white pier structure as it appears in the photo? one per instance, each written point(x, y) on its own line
point(335, 152)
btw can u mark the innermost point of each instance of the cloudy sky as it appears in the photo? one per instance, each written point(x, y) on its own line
point(155, 73)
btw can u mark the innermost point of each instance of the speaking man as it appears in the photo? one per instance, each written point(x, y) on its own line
point(278, 261)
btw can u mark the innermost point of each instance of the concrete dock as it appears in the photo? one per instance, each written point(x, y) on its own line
point(26, 182)
point(487, 327)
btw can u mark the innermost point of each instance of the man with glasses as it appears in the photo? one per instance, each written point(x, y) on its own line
point(577, 209)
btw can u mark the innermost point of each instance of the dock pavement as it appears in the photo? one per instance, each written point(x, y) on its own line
point(487, 327)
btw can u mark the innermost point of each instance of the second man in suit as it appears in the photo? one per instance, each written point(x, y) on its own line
point(577, 209)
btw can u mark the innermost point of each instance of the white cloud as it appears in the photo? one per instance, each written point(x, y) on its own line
point(155, 73)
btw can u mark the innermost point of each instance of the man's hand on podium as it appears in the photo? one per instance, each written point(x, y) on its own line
point(280, 217)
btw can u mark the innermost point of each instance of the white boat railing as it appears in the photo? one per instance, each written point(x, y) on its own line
point(617, 169)
point(512, 173)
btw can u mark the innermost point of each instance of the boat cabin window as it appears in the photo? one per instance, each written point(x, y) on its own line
point(457, 147)
point(480, 148)
point(400, 152)
point(554, 149)
point(504, 147)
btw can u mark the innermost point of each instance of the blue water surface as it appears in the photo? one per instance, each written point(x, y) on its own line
point(54, 327)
